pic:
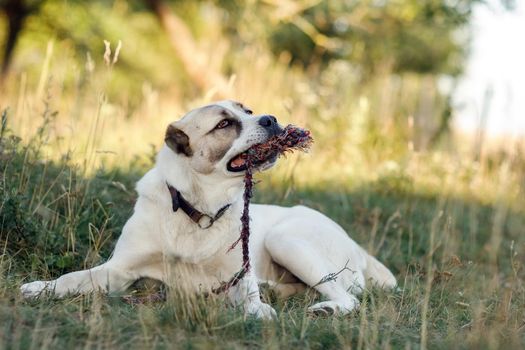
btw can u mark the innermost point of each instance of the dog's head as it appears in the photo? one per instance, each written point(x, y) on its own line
point(213, 138)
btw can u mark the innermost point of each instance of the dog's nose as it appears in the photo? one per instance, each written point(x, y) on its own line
point(267, 121)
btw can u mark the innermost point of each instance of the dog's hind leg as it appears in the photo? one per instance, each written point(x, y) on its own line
point(303, 260)
point(285, 290)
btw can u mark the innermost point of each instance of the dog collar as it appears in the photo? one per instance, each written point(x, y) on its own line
point(204, 221)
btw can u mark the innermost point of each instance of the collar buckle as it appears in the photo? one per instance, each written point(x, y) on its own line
point(205, 221)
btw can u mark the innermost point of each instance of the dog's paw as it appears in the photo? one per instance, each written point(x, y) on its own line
point(334, 308)
point(261, 311)
point(35, 289)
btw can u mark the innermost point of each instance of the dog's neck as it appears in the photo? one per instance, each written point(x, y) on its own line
point(207, 193)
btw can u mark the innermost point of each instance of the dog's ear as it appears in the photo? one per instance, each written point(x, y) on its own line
point(178, 141)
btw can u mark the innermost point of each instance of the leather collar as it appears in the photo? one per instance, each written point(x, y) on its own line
point(203, 220)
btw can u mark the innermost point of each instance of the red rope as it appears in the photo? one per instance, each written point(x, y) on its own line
point(245, 218)
point(291, 138)
point(245, 232)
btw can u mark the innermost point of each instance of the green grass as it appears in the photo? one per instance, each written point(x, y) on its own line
point(459, 263)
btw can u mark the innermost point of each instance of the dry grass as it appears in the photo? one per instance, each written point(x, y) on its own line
point(450, 226)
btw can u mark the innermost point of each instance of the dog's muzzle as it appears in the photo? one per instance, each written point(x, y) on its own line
point(270, 124)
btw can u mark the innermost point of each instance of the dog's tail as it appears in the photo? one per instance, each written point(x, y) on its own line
point(378, 273)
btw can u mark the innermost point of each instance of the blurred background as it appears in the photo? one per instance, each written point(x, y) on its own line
point(388, 78)
point(411, 95)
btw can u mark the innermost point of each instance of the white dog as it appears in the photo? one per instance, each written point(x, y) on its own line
point(187, 216)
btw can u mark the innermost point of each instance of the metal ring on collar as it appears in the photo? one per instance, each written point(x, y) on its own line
point(205, 221)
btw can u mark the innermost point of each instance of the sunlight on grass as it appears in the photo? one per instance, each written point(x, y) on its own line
point(449, 225)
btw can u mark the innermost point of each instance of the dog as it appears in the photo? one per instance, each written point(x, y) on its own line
point(188, 213)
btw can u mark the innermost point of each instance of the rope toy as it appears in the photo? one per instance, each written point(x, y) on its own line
point(292, 138)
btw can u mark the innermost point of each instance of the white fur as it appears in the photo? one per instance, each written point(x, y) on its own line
point(290, 248)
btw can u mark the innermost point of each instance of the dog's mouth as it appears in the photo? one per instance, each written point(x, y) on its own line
point(263, 155)
point(240, 163)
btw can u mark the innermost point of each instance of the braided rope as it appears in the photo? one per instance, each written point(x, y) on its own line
point(292, 138)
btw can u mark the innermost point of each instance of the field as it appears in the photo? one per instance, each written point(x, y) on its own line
point(447, 220)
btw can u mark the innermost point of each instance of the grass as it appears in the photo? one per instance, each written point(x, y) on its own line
point(450, 226)
point(458, 261)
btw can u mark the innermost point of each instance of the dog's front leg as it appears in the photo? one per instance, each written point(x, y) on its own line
point(108, 277)
point(246, 294)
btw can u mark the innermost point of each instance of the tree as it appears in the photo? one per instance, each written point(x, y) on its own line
point(16, 12)
point(184, 45)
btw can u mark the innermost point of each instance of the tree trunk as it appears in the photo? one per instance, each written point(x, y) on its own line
point(195, 61)
point(16, 12)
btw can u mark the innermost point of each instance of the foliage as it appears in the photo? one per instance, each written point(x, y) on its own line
point(50, 215)
point(416, 36)
point(374, 36)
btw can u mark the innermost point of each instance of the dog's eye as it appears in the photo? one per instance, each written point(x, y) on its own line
point(223, 124)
